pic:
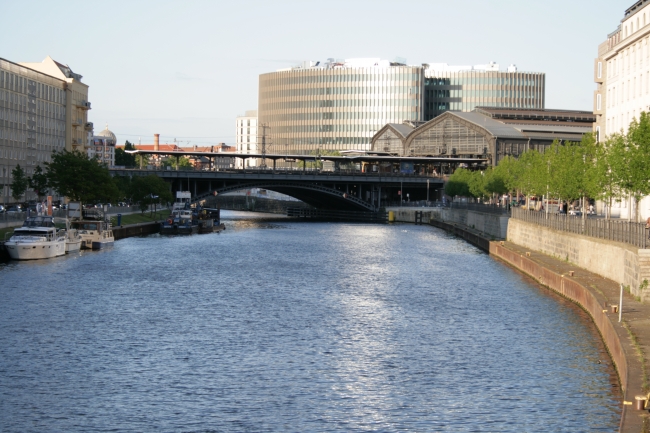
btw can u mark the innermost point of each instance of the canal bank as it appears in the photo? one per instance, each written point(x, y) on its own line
point(628, 341)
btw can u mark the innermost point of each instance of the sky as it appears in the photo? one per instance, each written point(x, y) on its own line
point(186, 69)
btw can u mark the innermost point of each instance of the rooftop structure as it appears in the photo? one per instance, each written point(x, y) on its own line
point(491, 133)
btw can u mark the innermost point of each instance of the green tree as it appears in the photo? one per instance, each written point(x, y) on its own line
point(147, 190)
point(458, 183)
point(495, 182)
point(509, 171)
point(75, 175)
point(123, 158)
point(180, 163)
point(318, 162)
point(636, 174)
point(39, 182)
point(609, 164)
point(19, 183)
point(532, 175)
point(476, 184)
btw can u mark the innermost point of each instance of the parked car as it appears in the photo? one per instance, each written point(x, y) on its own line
point(14, 210)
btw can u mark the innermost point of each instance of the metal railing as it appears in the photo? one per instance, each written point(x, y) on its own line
point(477, 207)
point(613, 230)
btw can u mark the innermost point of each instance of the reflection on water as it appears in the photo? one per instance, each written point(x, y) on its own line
point(277, 325)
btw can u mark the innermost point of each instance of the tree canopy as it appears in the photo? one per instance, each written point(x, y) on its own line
point(75, 175)
point(147, 190)
point(39, 181)
point(19, 182)
point(123, 158)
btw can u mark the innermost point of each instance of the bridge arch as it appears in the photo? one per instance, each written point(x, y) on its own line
point(318, 196)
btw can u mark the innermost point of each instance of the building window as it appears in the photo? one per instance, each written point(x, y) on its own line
point(600, 69)
point(598, 101)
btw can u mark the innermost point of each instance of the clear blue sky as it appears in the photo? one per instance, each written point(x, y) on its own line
point(186, 69)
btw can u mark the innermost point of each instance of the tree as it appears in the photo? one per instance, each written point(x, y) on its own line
point(177, 163)
point(532, 173)
point(75, 175)
point(38, 181)
point(318, 162)
point(637, 171)
point(495, 182)
point(476, 183)
point(147, 190)
point(19, 183)
point(458, 183)
point(124, 158)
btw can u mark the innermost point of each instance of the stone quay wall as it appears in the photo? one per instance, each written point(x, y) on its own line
point(490, 225)
point(616, 261)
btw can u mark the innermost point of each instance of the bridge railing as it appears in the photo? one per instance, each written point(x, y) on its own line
point(294, 172)
point(610, 229)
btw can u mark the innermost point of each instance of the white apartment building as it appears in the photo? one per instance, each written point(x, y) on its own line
point(246, 138)
point(622, 72)
point(622, 76)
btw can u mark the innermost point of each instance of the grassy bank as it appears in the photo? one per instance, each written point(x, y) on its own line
point(137, 218)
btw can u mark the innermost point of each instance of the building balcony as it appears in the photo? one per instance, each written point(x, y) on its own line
point(89, 126)
point(77, 122)
point(84, 105)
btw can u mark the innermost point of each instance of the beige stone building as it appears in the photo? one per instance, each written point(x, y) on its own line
point(76, 103)
point(43, 108)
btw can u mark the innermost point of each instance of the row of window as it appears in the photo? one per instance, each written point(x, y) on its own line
point(302, 77)
point(338, 103)
point(40, 107)
point(503, 79)
point(627, 91)
point(23, 85)
point(387, 91)
point(315, 129)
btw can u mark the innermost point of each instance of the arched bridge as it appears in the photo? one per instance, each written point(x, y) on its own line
point(355, 191)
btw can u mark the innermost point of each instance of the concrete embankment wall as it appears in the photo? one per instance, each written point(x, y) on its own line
point(613, 260)
point(131, 230)
point(492, 225)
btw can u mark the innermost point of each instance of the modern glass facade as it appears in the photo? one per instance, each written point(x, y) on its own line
point(340, 105)
point(464, 91)
point(336, 109)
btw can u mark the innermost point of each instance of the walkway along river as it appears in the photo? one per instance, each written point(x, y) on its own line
point(274, 325)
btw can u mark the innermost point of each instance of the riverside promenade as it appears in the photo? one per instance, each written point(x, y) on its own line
point(628, 341)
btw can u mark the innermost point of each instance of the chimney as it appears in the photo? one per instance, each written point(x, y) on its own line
point(156, 142)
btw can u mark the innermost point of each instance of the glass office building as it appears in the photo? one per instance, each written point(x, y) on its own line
point(341, 104)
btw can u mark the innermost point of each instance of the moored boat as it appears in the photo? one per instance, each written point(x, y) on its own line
point(38, 238)
point(181, 221)
point(95, 232)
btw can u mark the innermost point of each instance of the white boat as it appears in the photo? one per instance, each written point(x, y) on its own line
point(72, 240)
point(38, 238)
point(95, 234)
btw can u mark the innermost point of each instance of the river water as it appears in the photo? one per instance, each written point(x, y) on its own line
point(276, 325)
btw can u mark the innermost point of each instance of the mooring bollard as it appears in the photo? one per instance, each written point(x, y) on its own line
point(614, 308)
point(640, 401)
point(119, 219)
